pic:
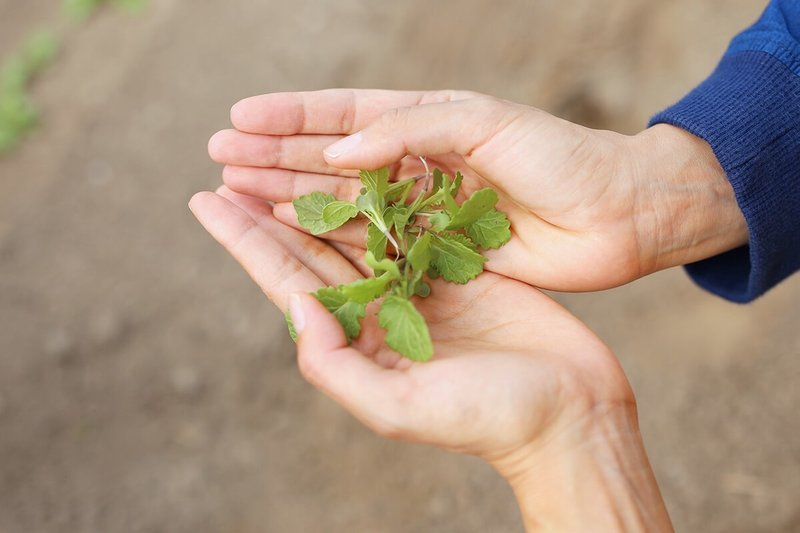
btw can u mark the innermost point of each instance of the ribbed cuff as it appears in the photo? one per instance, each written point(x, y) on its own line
point(748, 110)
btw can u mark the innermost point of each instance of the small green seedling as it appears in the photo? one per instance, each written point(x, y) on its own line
point(81, 9)
point(18, 115)
point(432, 235)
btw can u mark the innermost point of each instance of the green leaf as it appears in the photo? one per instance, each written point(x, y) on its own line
point(40, 50)
point(376, 180)
point(347, 312)
point(491, 230)
point(337, 213)
point(450, 204)
point(423, 290)
point(406, 331)
point(419, 255)
point(365, 290)
point(81, 8)
point(399, 189)
point(454, 258)
point(437, 179)
point(17, 113)
point(400, 217)
point(369, 203)
point(376, 242)
point(477, 205)
point(14, 75)
point(384, 265)
point(388, 215)
point(290, 325)
point(445, 250)
point(456, 185)
point(134, 6)
point(439, 220)
point(309, 211)
point(466, 241)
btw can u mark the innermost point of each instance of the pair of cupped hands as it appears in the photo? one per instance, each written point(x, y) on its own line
point(515, 379)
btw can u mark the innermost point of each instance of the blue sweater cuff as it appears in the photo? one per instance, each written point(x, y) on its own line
point(748, 110)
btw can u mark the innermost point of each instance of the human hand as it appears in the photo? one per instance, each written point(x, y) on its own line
point(589, 209)
point(526, 386)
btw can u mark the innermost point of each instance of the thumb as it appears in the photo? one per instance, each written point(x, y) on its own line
point(460, 126)
point(370, 392)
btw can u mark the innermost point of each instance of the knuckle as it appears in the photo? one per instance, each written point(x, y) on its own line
point(289, 268)
point(275, 152)
point(306, 367)
point(394, 118)
point(487, 104)
point(316, 249)
point(293, 189)
point(247, 230)
point(448, 95)
point(347, 118)
point(271, 279)
point(343, 189)
point(470, 94)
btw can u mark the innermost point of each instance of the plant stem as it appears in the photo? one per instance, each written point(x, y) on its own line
point(378, 221)
point(427, 174)
point(418, 200)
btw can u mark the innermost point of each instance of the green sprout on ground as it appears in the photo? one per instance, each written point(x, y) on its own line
point(81, 9)
point(430, 236)
point(18, 114)
point(17, 111)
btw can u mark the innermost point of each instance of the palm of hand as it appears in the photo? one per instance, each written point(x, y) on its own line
point(501, 373)
point(565, 188)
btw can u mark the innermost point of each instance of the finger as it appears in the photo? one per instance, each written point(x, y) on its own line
point(281, 185)
point(301, 152)
point(271, 266)
point(371, 393)
point(331, 111)
point(284, 185)
point(354, 254)
point(462, 127)
point(317, 255)
point(354, 232)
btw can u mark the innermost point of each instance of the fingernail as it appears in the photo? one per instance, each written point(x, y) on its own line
point(296, 311)
point(343, 146)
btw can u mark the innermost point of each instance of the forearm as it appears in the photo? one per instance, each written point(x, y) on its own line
point(686, 207)
point(746, 110)
point(592, 476)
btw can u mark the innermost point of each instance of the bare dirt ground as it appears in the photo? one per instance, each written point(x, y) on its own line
point(145, 383)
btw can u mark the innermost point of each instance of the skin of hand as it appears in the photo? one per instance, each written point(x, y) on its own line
point(589, 209)
point(527, 387)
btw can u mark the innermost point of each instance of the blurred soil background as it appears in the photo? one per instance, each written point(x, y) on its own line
point(146, 385)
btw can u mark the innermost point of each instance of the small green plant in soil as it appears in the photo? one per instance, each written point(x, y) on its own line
point(83, 8)
point(17, 112)
point(431, 235)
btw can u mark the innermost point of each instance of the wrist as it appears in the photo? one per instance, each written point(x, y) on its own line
point(589, 475)
point(686, 209)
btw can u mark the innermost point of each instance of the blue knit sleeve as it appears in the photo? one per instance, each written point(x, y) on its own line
point(748, 110)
